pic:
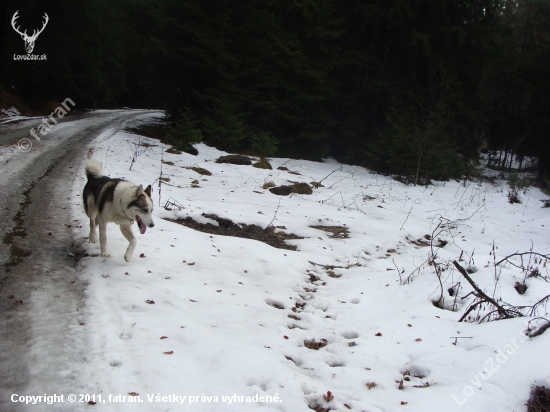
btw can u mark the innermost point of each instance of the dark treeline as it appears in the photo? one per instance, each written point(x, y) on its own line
point(410, 87)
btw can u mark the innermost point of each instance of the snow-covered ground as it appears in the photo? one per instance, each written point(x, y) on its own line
point(223, 321)
point(13, 115)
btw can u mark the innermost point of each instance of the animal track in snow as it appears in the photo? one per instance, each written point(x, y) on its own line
point(277, 304)
point(350, 335)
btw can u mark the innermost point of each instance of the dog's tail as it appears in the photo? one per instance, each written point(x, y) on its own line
point(93, 169)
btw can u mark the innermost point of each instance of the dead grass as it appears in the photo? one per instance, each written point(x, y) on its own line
point(338, 232)
point(201, 171)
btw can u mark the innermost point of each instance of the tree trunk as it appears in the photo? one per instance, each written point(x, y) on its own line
point(417, 170)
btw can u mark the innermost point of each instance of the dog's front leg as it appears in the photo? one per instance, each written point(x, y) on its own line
point(103, 238)
point(129, 235)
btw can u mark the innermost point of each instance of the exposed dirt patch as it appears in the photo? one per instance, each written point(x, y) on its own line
point(521, 288)
point(281, 190)
point(338, 232)
point(173, 151)
point(228, 228)
point(313, 344)
point(235, 160)
point(263, 164)
point(296, 187)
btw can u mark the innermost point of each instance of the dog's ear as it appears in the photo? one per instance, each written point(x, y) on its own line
point(148, 191)
point(139, 190)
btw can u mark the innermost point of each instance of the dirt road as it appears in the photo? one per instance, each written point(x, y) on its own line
point(40, 295)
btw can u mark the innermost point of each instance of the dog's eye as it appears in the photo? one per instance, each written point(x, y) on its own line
point(145, 210)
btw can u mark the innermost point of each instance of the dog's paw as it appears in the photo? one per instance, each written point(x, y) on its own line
point(105, 254)
point(92, 239)
point(127, 257)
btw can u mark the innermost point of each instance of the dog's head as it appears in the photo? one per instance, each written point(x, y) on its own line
point(142, 208)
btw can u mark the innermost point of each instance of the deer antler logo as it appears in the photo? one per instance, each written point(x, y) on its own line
point(29, 40)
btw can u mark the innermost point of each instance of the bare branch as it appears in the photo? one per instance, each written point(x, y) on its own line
point(521, 254)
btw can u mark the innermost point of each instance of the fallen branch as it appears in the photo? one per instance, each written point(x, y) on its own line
point(471, 308)
point(503, 312)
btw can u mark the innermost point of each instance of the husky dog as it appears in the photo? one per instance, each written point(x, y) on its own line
point(115, 200)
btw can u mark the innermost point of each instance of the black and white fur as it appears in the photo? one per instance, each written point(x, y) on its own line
point(118, 201)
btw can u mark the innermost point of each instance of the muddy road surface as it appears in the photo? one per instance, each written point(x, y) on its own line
point(42, 342)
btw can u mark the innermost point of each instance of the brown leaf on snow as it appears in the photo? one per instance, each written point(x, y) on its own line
point(328, 397)
point(378, 334)
point(133, 393)
point(193, 300)
point(418, 339)
point(164, 337)
point(150, 302)
point(191, 264)
point(168, 353)
point(404, 403)
point(91, 403)
point(142, 255)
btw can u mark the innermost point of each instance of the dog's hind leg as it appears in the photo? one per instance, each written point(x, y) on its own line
point(93, 234)
point(129, 235)
point(103, 238)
